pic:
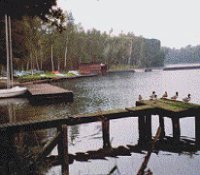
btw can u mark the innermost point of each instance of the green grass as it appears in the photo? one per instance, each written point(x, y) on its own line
point(171, 105)
point(43, 76)
point(35, 77)
point(140, 108)
point(121, 67)
point(70, 75)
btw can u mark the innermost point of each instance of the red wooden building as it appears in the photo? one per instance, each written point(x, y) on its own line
point(93, 68)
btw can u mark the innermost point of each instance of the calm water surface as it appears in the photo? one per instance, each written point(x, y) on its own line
point(111, 92)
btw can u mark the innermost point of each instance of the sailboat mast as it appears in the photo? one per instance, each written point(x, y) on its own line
point(11, 55)
point(7, 52)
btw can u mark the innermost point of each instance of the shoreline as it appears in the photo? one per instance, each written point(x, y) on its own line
point(181, 68)
point(18, 82)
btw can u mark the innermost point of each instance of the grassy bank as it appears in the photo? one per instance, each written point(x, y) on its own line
point(121, 67)
point(43, 76)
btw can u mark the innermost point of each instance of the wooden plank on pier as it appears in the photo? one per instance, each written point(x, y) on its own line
point(38, 92)
point(142, 109)
point(154, 107)
point(70, 120)
point(42, 89)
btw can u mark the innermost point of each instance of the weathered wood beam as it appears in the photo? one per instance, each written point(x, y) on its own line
point(141, 129)
point(106, 133)
point(162, 126)
point(63, 150)
point(48, 147)
point(148, 127)
point(69, 120)
point(176, 129)
point(33, 125)
point(142, 110)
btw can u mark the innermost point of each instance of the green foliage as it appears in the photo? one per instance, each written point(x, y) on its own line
point(44, 46)
point(188, 54)
point(45, 10)
point(150, 53)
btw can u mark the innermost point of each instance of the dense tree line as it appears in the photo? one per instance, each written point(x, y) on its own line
point(188, 54)
point(39, 45)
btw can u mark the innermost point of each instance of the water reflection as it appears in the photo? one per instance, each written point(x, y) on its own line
point(165, 143)
point(74, 133)
point(111, 92)
point(19, 150)
point(19, 109)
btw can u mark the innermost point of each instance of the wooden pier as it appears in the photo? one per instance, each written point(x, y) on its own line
point(42, 93)
point(144, 110)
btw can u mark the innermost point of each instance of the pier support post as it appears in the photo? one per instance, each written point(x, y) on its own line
point(148, 128)
point(106, 133)
point(197, 130)
point(176, 129)
point(63, 149)
point(141, 129)
point(162, 126)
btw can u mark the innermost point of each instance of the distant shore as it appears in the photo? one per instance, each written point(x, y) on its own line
point(181, 67)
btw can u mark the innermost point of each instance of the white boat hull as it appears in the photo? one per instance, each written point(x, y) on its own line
point(12, 92)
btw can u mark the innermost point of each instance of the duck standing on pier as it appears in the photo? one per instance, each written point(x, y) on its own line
point(140, 98)
point(187, 99)
point(175, 96)
point(153, 96)
point(165, 95)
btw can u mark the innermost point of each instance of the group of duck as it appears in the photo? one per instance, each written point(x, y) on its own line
point(153, 96)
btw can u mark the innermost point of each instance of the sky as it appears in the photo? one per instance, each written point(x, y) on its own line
point(176, 23)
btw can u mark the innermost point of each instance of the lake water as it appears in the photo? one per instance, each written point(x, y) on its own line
point(115, 91)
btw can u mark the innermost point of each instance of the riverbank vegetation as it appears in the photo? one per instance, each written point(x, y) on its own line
point(188, 54)
point(39, 45)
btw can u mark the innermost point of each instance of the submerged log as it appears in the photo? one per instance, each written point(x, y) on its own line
point(147, 157)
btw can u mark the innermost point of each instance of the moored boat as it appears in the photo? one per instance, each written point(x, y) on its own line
point(12, 92)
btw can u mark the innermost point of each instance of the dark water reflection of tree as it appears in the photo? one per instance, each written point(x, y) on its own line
point(17, 153)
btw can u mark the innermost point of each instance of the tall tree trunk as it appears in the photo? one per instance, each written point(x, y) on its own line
point(2, 70)
point(22, 66)
point(27, 65)
point(66, 50)
point(31, 56)
point(130, 52)
point(58, 65)
point(52, 61)
point(36, 59)
point(41, 58)
point(41, 64)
